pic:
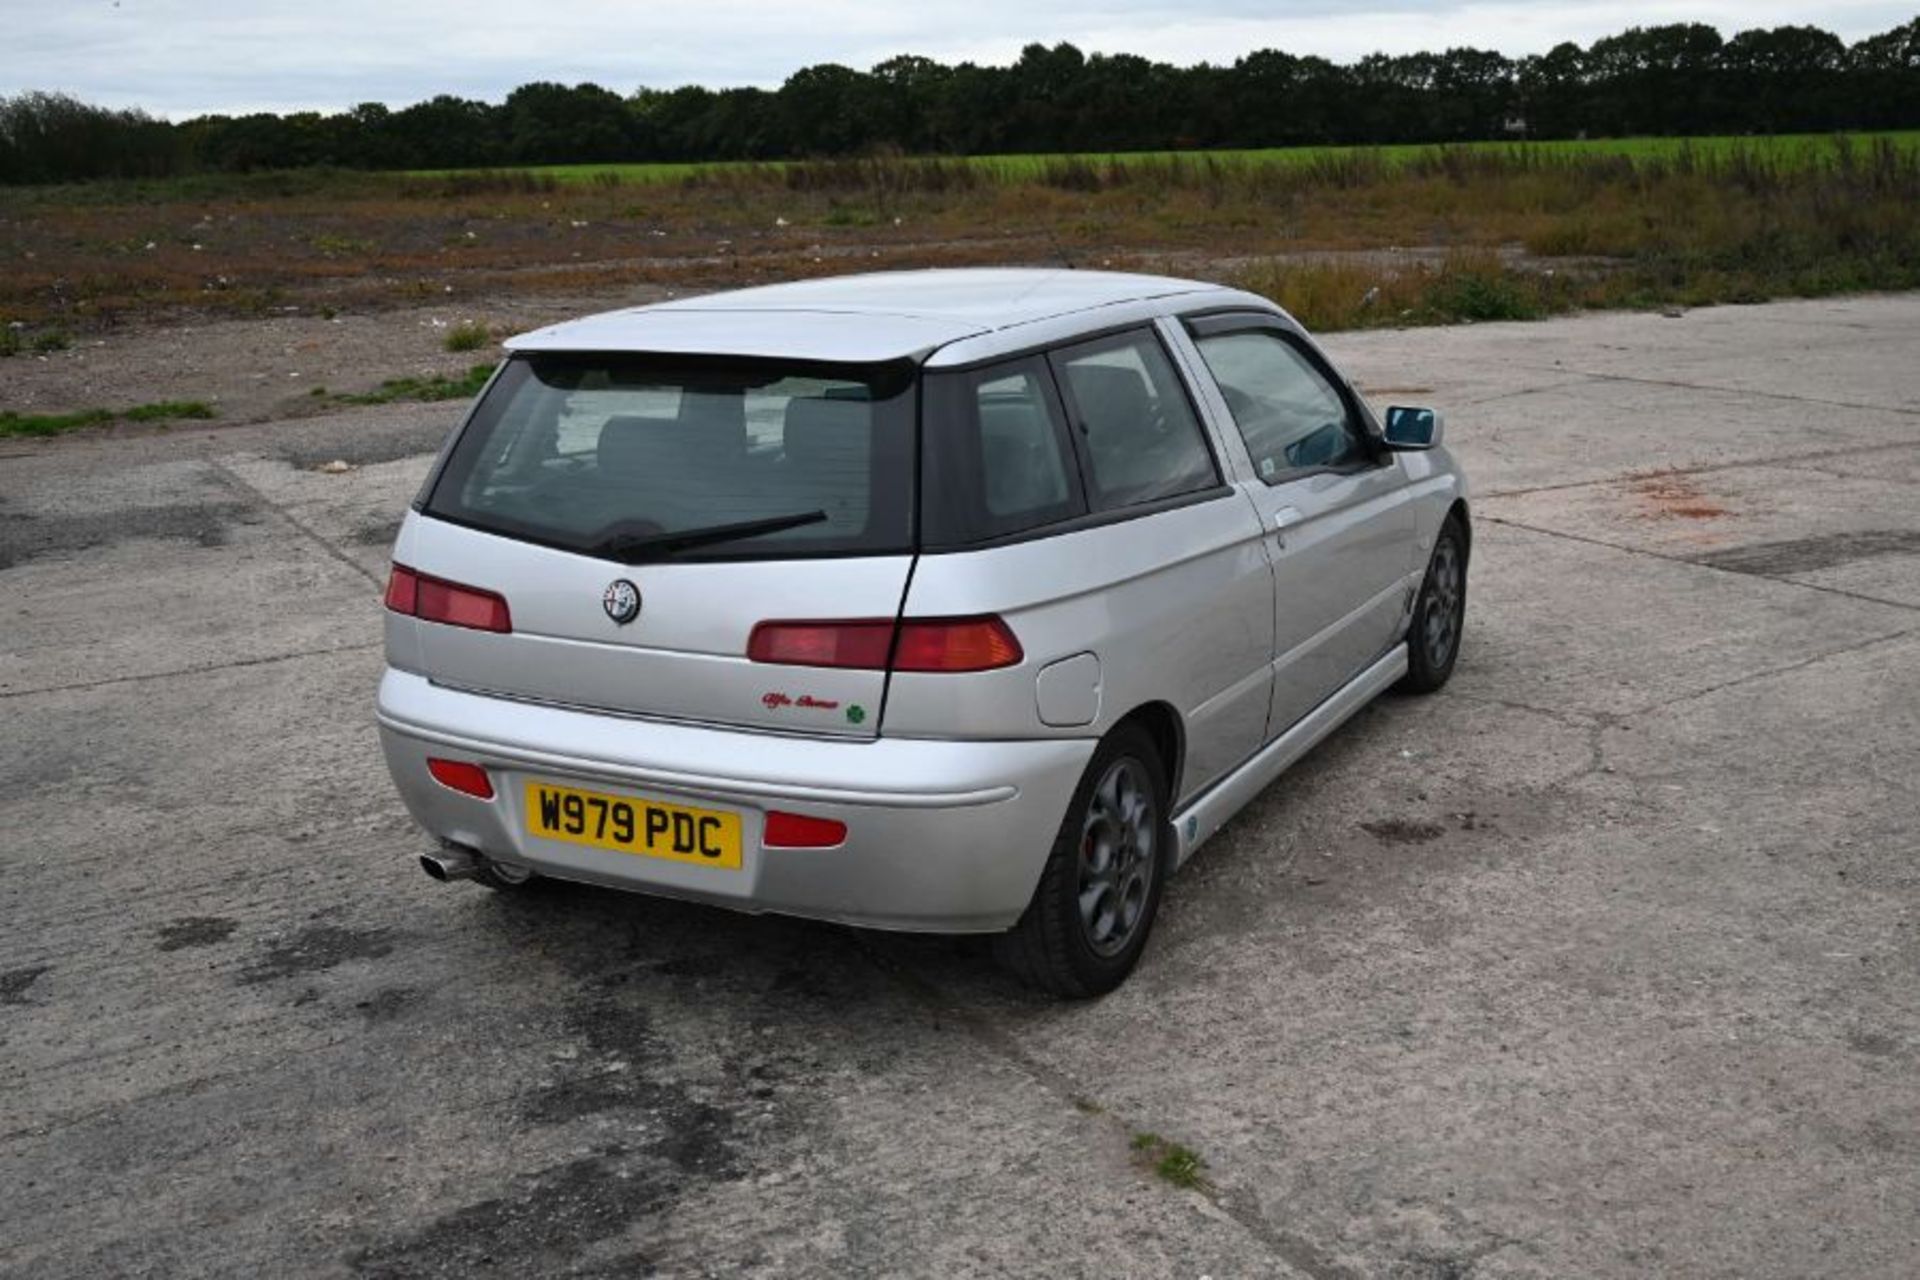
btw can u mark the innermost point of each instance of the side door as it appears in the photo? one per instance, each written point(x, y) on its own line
point(1334, 507)
point(1146, 456)
point(1078, 494)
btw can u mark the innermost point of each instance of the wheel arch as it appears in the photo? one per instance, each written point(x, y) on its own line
point(1163, 724)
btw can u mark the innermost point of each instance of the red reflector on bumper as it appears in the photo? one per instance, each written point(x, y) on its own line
point(458, 775)
point(797, 831)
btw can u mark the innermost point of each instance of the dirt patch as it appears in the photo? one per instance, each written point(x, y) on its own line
point(551, 1216)
point(195, 931)
point(268, 369)
point(25, 537)
point(378, 533)
point(355, 439)
point(1673, 496)
point(14, 983)
point(1403, 831)
point(608, 1067)
point(1874, 1044)
point(1805, 555)
point(559, 1213)
point(386, 1004)
point(316, 949)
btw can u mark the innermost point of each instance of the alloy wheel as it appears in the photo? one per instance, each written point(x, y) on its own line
point(1444, 601)
point(1119, 849)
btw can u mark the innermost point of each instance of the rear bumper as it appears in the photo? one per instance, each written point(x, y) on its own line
point(942, 836)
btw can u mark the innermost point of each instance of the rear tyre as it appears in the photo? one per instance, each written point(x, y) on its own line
point(503, 877)
point(1439, 615)
point(1100, 889)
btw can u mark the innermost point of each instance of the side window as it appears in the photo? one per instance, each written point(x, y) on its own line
point(1022, 472)
point(995, 460)
point(1289, 414)
point(1139, 438)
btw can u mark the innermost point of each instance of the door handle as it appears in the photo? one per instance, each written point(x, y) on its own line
point(1283, 519)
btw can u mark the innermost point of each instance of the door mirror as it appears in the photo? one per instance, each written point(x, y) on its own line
point(1410, 428)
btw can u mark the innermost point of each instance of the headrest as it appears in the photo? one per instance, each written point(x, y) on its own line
point(629, 441)
point(821, 433)
point(635, 444)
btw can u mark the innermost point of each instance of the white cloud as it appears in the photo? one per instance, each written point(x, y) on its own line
point(179, 57)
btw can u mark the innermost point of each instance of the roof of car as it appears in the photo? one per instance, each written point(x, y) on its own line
point(858, 318)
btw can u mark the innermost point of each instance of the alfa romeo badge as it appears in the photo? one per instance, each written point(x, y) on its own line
point(621, 600)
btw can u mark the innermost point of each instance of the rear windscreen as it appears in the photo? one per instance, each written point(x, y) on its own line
point(578, 451)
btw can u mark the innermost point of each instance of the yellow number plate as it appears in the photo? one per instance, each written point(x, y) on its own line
point(677, 832)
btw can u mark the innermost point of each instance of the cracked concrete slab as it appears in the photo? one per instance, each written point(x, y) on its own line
point(1598, 963)
point(1634, 392)
point(1643, 629)
point(1848, 530)
point(152, 590)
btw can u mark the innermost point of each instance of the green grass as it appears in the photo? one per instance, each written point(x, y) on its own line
point(660, 171)
point(434, 387)
point(1171, 1162)
point(168, 410)
point(52, 424)
point(468, 335)
point(15, 340)
point(1801, 148)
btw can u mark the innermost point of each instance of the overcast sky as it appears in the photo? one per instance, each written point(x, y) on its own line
point(183, 57)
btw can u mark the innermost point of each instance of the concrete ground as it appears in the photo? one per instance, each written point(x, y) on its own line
point(1600, 963)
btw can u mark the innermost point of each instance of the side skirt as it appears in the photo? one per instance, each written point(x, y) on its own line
point(1208, 812)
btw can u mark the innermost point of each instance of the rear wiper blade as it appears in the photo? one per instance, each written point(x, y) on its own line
point(631, 548)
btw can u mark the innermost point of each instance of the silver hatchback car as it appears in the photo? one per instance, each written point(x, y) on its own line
point(963, 601)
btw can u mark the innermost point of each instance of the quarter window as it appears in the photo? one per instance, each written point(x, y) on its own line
point(1139, 437)
point(1289, 413)
point(995, 461)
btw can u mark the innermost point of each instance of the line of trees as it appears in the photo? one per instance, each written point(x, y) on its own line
point(1677, 79)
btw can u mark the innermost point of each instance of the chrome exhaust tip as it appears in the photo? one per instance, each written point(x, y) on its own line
point(449, 864)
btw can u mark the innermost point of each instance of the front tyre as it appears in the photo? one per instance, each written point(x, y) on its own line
point(1100, 889)
point(1433, 642)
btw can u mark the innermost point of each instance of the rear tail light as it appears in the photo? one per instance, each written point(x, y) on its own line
point(917, 644)
point(863, 644)
point(459, 775)
point(437, 600)
point(403, 590)
point(798, 831)
point(955, 644)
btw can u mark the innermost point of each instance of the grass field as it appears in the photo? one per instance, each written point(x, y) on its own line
point(1798, 148)
point(1343, 237)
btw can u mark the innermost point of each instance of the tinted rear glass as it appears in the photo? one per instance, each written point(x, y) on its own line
point(571, 450)
point(996, 460)
point(1143, 441)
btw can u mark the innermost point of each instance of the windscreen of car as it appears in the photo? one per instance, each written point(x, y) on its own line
point(590, 452)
